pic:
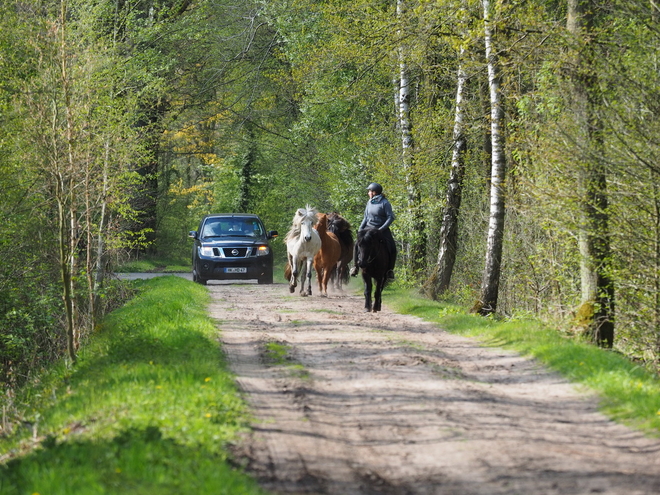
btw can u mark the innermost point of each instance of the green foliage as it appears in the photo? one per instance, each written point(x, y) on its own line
point(149, 408)
point(188, 108)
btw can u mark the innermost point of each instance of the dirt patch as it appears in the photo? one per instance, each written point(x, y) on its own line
point(356, 403)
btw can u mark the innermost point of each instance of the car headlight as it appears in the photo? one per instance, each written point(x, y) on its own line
point(263, 250)
point(206, 251)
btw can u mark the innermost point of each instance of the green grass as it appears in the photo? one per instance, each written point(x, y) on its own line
point(629, 393)
point(278, 354)
point(150, 408)
point(155, 265)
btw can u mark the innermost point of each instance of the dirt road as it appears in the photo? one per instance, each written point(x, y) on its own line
point(387, 404)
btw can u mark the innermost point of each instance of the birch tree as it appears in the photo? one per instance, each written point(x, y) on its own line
point(491, 276)
point(449, 229)
point(416, 251)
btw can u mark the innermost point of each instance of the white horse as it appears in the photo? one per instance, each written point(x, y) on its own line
point(302, 244)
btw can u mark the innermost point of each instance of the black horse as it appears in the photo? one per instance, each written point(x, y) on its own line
point(373, 258)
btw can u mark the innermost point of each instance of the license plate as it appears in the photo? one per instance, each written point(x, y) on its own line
point(236, 270)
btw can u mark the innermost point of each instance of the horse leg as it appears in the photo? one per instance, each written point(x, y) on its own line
point(293, 281)
point(322, 274)
point(367, 292)
point(378, 294)
point(335, 276)
point(319, 273)
point(324, 282)
point(327, 279)
point(309, 276)
point(303, 276)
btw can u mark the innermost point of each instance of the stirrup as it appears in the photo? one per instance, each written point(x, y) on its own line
point(390, 274)
point(354, 271)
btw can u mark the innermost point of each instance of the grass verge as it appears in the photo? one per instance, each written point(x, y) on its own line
point(629, 393)
point(149, 408)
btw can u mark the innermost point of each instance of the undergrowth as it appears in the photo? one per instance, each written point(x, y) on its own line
point(150, 408)
point(629, 393)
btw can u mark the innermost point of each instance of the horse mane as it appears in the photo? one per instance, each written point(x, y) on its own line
point(308, 212)
point(369, 235)
point(337, 223)
point(339, 226)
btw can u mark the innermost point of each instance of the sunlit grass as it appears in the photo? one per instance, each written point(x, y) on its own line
point(628, 392)
point(150, 408)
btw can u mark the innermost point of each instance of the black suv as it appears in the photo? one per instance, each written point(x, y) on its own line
point(232, 246)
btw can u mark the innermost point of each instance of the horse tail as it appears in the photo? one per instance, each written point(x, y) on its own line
point(345, 274)
point(287, 271)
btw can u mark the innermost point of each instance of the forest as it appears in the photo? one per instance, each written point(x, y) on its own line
point(515, 139)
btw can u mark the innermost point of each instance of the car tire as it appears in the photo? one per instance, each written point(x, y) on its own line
point(268, 279)
point(197, 279)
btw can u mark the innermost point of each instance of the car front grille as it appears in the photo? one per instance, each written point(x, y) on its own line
point(238, 252)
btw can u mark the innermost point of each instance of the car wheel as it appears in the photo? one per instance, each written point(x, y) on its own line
point(267, 279)
point(197, 279)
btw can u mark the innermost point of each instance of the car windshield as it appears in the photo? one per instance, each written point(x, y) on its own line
point(232, 227)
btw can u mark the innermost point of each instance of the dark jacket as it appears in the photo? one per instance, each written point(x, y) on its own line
point(378, 214)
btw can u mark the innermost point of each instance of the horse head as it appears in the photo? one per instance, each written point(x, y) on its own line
point(304, 221)
point(322, 224)
point(337, 224)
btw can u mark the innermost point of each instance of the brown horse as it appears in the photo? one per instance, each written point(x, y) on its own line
point(326, 259)
point(339, 226)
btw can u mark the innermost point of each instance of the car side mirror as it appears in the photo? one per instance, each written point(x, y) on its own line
point(192, 234)
point(272, 234)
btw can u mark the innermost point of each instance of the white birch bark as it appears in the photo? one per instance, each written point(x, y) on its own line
point(417, 240)
point(491, 277)
point(449, 229)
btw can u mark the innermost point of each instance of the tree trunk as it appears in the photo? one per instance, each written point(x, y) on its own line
point(246, 171)
point(655, 179)
point(491, 278)
point(594, 239)
point(99, 267)
point(65, 265)
point(66, 198)
point(416, 251)
point(449, 228)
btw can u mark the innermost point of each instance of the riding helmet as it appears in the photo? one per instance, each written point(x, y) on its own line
point(375, 187)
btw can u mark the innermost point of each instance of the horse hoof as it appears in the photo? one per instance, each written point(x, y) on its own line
point(367, 310)
point(292, 289)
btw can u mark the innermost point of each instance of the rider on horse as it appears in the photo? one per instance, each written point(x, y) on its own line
point(378, 214)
